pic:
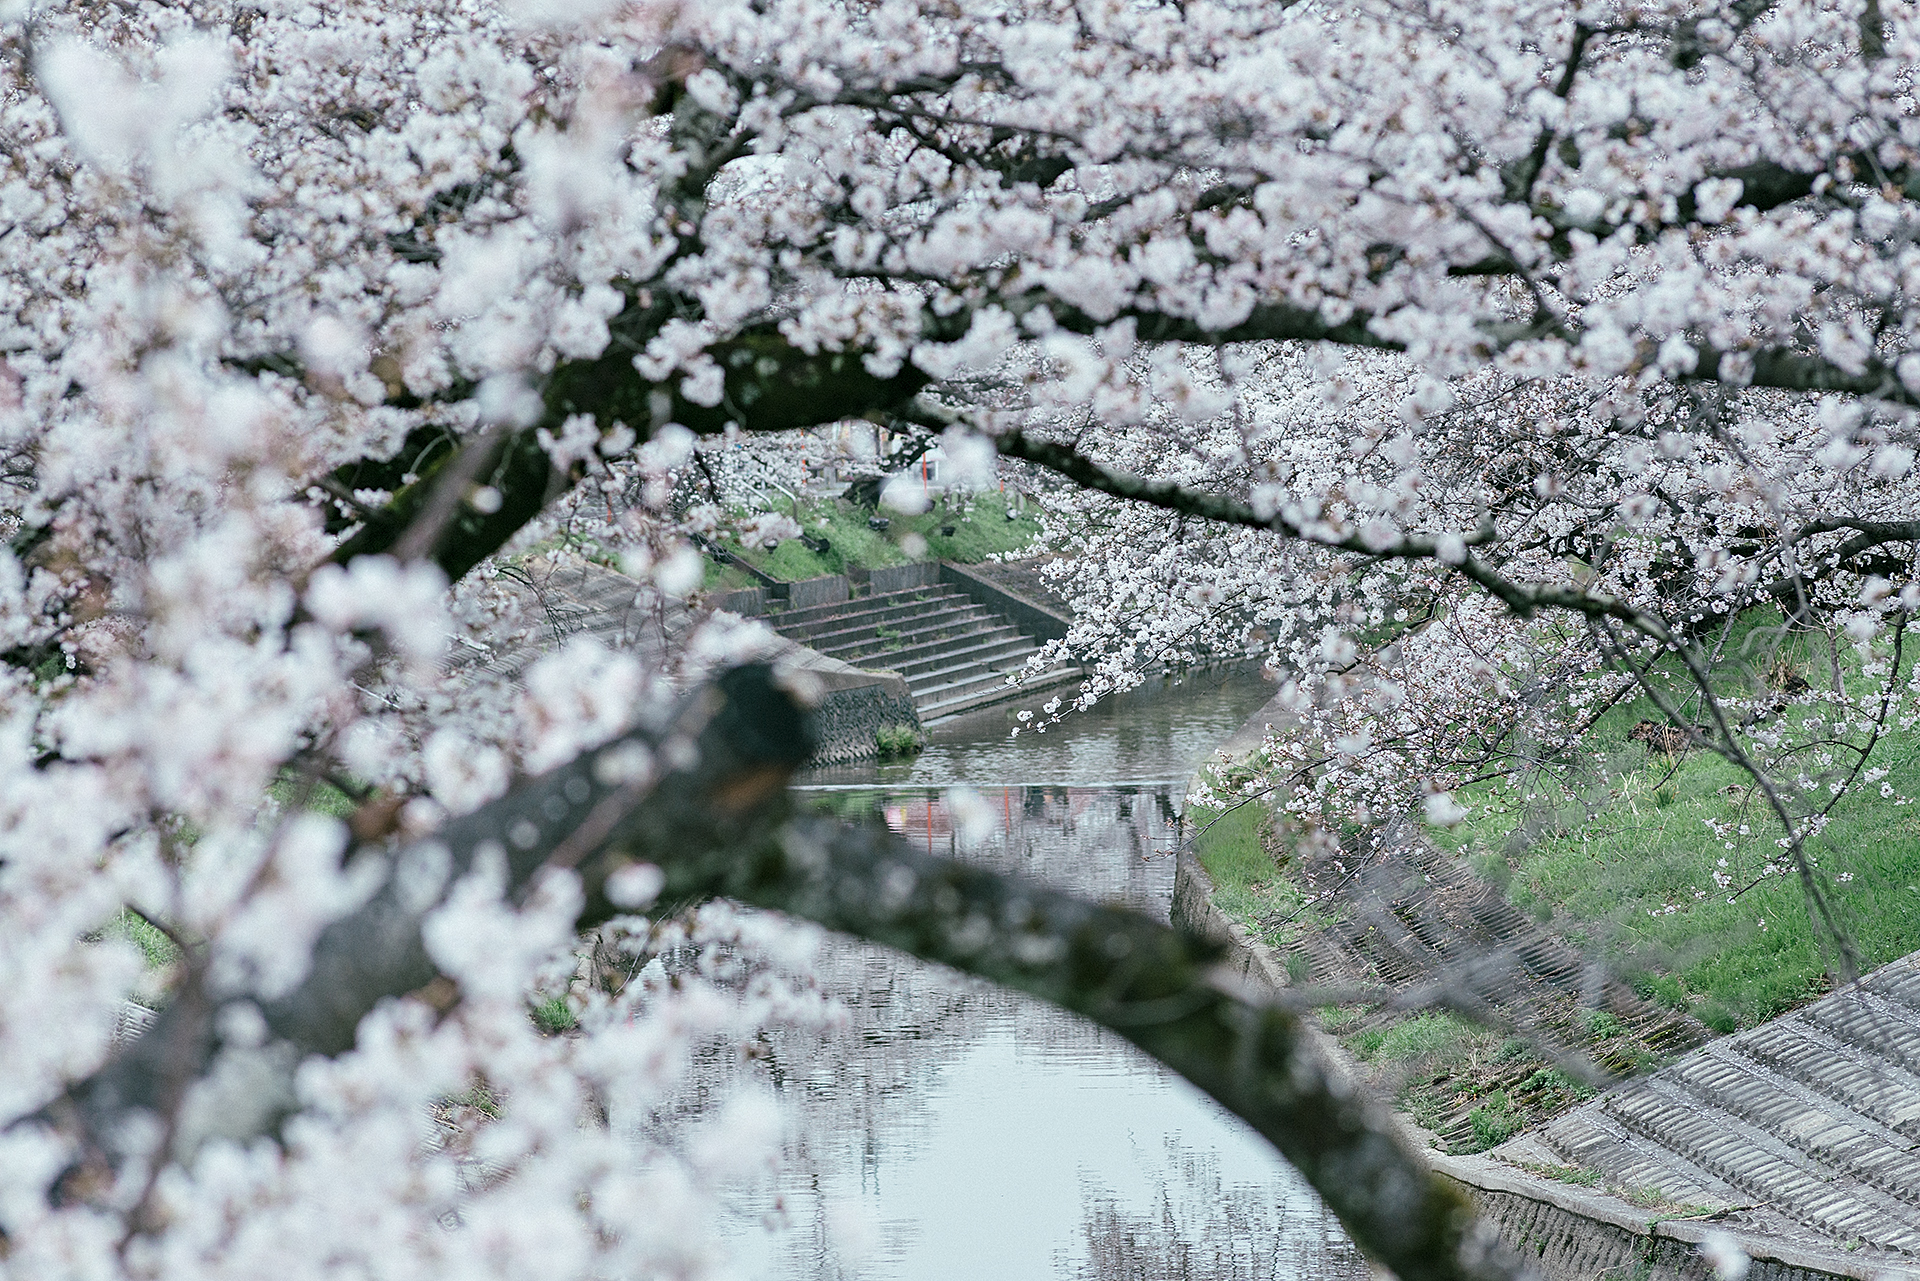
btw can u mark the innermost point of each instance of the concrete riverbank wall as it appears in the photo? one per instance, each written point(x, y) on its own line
point(1571, 1233)
point(851, 705)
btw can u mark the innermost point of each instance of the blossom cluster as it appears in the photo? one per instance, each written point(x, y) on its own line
point(322, 320)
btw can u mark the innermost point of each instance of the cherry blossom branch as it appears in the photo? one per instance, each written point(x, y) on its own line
point(1522, 599)
point(720, 827)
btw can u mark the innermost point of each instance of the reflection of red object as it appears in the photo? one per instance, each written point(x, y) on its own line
point(926, 815)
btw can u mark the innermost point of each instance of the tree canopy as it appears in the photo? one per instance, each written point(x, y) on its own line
point(1472, 362)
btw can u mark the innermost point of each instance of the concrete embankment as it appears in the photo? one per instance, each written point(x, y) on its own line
point(1571, 1232)
point(1574, 1232)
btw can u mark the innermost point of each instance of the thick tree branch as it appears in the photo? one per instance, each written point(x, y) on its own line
point(1158, 988)
point(721, 827)
point(770, 385)
point(750, 737)
point(1522, 598)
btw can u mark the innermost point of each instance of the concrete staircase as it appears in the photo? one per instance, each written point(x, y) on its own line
point(954, 654)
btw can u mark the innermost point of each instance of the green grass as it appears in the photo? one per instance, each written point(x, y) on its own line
point(1636, 876)
point(1496, 1120)
point(479, 1096)
point(980, 525)
point(1433, 1037)
point(1616, 849)
point(898, 740)
point(1574, 1174)
point(1617, 854)
point(1620, 853)
point(325, 798)
point(553, 1015)
point(1248, 885)
point(725, 578)
point(156, 947)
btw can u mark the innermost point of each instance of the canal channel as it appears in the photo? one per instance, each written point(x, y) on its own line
point(948, 1129)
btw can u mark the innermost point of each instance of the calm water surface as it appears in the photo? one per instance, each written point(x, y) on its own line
point(956, 1130)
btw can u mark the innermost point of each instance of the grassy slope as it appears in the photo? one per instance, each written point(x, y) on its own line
point(1607, 866)
point(1606, 859)
point(1603, 861)
point(981, 530)
point(1247, 883)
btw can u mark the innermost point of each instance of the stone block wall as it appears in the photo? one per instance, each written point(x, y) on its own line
point(828, 589)
point(898, 578)
point(849, 720)
point(748, 602)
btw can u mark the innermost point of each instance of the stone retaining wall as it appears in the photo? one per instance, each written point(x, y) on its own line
point(852, 705)
point(898, 578)
point(827, 589)
point(849, 720)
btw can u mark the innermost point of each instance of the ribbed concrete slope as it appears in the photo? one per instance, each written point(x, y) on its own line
point(1807, 1127)
point(954, 654)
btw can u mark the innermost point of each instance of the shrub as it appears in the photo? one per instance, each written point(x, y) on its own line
point(553, 1016)
point(898, 740)
point(1496, 1120)
point(1602, 1024)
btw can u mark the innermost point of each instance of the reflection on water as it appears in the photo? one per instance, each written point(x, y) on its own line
point(1158, 733)
point(979, 1134)
point(1199, 1225)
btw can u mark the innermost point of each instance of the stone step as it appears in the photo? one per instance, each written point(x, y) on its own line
point(1866, 1020)
point(910, 649)
point(1591, 1140)
point(1841, 1072)
point(953, 653)
point(1831, 1134)
point(784, 620)
point(814, 616)
point(999, 653)
point(985, 648)
point(961, 684)
point(1764, 1166)
point(957, 696)
point(966, 682)
point(901, 621)
point(851, 615)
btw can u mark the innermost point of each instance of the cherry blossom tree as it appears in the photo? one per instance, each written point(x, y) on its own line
point(1463, 355)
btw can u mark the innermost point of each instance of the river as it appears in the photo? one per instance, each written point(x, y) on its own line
point(954, 1130)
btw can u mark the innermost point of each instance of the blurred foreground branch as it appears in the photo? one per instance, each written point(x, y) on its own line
point(705, 800)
